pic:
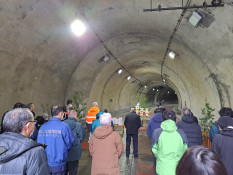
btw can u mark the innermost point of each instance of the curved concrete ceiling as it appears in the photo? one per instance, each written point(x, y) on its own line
point(43, 62)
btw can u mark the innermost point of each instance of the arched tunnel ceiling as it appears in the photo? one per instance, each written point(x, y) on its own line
point(43, 62)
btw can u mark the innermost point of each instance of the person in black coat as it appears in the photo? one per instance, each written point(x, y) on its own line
point(132, 124)
point(223, 143)
point(191, 128)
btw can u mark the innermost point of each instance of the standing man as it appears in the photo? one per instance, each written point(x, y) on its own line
point(91, 115)
point(153, 124)
point(31, 107)
point(69, 105)
point(75, 152)
point(132, 124)
point(106, 148)
point(223, 142)
point(190, 127)
point(169, 144)
point(18, 154)
point(58, 138)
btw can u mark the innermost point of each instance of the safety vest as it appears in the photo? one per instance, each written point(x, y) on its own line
point(91, 114)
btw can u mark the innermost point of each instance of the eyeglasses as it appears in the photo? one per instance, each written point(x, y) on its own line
point(31, 121)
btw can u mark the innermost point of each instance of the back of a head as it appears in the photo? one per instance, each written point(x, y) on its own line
point(55, 110)
point(186, 111)
point(29, 105)
point(225, 111)
point(69, 102)
point(169, 115)
point(15, 120)
point(17, 105)
point(72, 114)
point(95, 104)
point(105, 119)
point(159, 110)
point(198, 160)
point(40, 120)
point(224, 122)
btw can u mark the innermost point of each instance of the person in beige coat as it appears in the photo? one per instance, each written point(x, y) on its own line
point(106, 148)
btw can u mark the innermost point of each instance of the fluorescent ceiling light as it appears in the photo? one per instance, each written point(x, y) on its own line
point(78, 28)
point(194, 19)
point(145, 86)
point(129, 77)
point(172, 54)
point(119, 71)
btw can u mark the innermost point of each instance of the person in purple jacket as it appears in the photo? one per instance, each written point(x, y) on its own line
point(154, 123)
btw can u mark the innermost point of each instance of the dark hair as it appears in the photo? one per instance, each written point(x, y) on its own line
point(225, 111)
point(105, 110)
point(40, 121)
point(15, 120)
point(158, 110)
point(55, 110)
point(200, 160)
point(169, 115)
point(17, 105)
point(69, 101)
point(65, 108)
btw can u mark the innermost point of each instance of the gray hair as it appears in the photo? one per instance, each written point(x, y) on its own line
point(15, 120)
point(72, 114)
point(105, 118)
point(186, 111)
point(94, 104)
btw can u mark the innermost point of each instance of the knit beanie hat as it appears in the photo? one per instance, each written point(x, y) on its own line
point(224, 122)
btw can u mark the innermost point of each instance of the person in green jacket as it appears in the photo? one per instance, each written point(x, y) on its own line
point(168, 144)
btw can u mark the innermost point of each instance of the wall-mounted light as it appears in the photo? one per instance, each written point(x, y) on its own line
point(119, 71)
point(172, 54)
point(145, 86)
point(129, 77)
point(78, 28)
point(106, 58)
point(168, 92)
point(157, 90)
point(194, 19)
point(153, 89)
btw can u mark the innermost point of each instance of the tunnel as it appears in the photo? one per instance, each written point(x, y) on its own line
point(43, 62)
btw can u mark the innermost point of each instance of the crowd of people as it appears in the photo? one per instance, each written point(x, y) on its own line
point(39, 145)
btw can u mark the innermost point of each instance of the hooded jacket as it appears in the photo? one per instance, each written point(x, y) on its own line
point(154, 123)
point(214, 131)
point(106, 148)
point(96, 122)
point(222, 145)
point(78, 132)
point(169, 144)
point(91, 114)
point(20, 155)
point(191, 129)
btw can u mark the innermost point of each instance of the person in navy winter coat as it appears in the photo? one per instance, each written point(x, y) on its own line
point(75, 152)
point(153, 124)
point(190, 127)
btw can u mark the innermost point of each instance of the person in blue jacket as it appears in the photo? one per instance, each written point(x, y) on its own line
point(153, 124)
point(96, 122)
point(59, 139)
point(75, 152)
point(214, 130)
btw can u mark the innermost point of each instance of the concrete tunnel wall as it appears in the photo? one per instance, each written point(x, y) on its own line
point(42, 62)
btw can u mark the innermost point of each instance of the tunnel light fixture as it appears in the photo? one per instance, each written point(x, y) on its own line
point(145, 86)
point(157, 90)
point(168, 92)
point(194, 19)
point(119, 71)
point(153, 89)
point(129, 77)
point(78, 28)
point(172, 54)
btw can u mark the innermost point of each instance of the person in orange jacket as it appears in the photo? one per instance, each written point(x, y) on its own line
point(91, 115)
